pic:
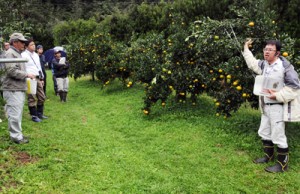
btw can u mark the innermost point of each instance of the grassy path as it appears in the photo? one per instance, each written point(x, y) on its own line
point(100, 142)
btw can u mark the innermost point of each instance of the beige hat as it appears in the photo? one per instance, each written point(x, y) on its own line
point(17, 36)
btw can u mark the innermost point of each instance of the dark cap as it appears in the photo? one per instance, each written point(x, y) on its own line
point(39, 46)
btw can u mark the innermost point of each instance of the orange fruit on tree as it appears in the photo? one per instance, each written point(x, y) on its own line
point(251, 24)
point(285, 54)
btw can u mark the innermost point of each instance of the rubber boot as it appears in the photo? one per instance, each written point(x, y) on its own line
point(40, 112)
point(61, 95)
point(269, 152)
point(33, 113)
point(65, 96)
point(282, 161)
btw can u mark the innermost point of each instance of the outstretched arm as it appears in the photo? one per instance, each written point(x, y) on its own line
point(251, 61)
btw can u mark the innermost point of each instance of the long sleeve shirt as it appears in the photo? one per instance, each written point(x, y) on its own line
point(33, 65)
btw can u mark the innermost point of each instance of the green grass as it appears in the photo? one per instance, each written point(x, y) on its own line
point(100, 142)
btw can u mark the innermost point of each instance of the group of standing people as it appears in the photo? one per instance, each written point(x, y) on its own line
point(14, 83)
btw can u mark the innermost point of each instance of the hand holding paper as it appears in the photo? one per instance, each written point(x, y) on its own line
point(272, 94)
point(266, 86)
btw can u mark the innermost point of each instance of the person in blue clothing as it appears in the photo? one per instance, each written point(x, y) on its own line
point(61, 70)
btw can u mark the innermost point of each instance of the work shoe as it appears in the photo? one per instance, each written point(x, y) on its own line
point(36, 119)
point(24, 140)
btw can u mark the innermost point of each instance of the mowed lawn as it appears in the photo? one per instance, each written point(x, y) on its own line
point(101, 142)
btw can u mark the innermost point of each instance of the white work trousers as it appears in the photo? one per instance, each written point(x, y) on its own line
point(14, 109)
point(272, 126)
point(62, 84)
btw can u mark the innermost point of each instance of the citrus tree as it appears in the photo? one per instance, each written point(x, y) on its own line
point(210, 59)
point(114, 65)
point(172, 56)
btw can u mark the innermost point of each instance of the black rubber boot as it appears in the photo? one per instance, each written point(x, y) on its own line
point(61, 95)
point(40, 112)
point(282, 161)
point(32, 110)
point(65, 96)
point(269, 152)
point(34, 115)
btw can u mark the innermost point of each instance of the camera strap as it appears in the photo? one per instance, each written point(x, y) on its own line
point(40, 70)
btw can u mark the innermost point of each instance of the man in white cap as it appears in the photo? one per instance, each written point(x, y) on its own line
point(14, 87)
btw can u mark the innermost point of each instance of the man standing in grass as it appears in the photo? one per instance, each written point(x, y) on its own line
point(274, 113)
point(14, 87)
point(61, 71)
point(33, 66)
point(40, 50)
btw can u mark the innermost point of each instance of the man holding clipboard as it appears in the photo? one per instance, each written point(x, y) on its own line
point(278, 88)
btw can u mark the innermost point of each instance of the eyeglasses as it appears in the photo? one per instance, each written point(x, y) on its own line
point(268, 49)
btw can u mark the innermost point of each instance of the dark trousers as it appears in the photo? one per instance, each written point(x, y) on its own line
point(45, 83)
point(54, 84)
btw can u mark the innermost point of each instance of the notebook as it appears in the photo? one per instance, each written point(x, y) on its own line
point(62, 60)
point(263, 84)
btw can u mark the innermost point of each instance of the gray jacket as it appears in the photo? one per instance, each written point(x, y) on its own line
point(289, 94)
point(15, 73)
point(291, 76)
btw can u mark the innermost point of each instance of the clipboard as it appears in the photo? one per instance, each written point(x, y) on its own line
point(262, 84)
